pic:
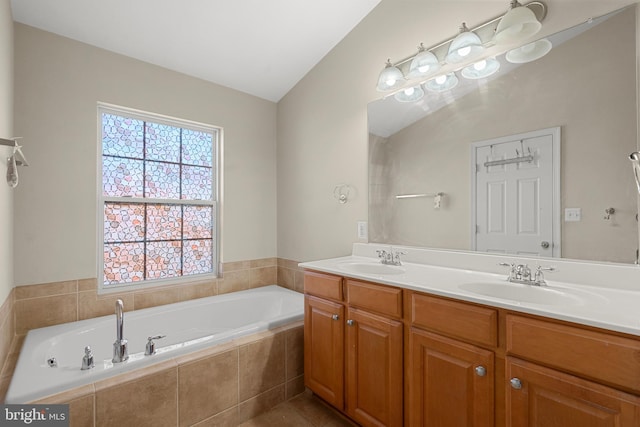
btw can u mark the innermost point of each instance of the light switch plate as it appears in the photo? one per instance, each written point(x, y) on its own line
point(362, 230)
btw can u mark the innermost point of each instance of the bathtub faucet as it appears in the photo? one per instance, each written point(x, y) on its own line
point(120, 352)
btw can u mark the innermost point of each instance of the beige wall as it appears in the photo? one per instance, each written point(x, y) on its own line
point(6, 131)
point(595, 74)
point(58, 83)
point(322, 123)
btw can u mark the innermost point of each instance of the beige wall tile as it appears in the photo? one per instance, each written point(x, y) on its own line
point(288, 263)
point(52, 310)
point(46, 289)
point(235, 281)
point(261, 403)
point(294, 387)
point(263, 276)
point(262, 366)
point(263, 262)
point(169, 295)
point(137, 374)
point(207, 387)
point(91, 305)
point(150, 401)
point(82, 412)
point(294, 342)
point(228, 418)
point(235, 266)
point(299, 281)
point(5, 381)
point(87, 285)
point(68, 395)
point(286, 278)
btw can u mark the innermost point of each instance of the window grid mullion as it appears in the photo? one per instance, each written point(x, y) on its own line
point(145, 273)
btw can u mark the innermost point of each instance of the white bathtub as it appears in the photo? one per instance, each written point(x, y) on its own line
point(188, 326)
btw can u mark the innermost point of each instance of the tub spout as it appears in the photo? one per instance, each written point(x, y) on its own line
point(120, 351)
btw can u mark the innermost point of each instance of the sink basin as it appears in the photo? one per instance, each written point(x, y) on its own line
point(523, 293)
point(371, 268)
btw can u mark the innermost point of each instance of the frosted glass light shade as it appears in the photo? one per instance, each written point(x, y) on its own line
point(442, 83)
point(390, 78)
point(481, 69)
point(423, 64)
point(516, 25)
point(465, 46)
point(529, 52)
point(410, 94)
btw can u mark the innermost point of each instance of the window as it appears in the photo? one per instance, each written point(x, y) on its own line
point(158, 199)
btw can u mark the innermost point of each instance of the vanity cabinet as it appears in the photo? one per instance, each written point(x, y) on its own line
point(385, 356)
point(354, 347)
point(451, 380)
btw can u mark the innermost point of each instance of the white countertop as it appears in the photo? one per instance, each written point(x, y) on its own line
point(612, 308)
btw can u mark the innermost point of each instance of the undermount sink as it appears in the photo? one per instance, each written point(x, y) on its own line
point(371, 268)
point(522, 293)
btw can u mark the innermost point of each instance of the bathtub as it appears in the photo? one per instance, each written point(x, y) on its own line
point(188, 326)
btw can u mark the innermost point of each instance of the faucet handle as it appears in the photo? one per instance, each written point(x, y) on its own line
point(151, 346)
point(539, 276)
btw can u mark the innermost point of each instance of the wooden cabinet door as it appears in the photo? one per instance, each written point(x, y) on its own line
point(374, 369)
point(540, 397)
point(451, 383)
point(324, 349)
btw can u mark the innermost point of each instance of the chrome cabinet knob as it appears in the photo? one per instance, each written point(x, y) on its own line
point(350, 322)
point(481, 371)
point(335, 317)
point(516, 383)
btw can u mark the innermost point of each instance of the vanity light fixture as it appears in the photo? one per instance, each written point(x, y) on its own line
point(518, 24)
point(424, 63)
point(465, 46)
point(529, 52)
point(410, 94)
point(442, 83)
point(481, 69)
point(390, 78)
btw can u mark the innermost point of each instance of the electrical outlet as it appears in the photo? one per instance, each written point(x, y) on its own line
point(572, 214)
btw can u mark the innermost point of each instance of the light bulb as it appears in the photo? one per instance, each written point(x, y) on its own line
point(390, 82)
point(464, 51)
point(480, 65)
point(441, 79)
point(423, 69)
point(409, 91)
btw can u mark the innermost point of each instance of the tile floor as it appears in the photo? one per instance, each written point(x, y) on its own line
point(304, 410)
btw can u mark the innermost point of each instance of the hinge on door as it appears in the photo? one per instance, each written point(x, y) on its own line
point(477, 229)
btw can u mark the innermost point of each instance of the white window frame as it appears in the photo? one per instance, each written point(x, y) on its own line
point(217, 133)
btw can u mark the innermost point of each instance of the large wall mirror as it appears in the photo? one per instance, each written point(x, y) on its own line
point(585, 87)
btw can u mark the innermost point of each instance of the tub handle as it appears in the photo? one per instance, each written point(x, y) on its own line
point(151, 346)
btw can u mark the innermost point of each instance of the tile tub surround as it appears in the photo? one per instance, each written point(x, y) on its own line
point(30, 306)
point(222, 385)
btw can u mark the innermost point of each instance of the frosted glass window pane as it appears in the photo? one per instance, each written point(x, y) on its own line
point(164, 259)
point(198, 257)
point(122, 136)
point(121, 177)
point(162, 142)
point(123, 263)
point(164, 222)
point(123, 222)
point(197, 148)
point(196, 183)
point(162, 180)
point(198, 222)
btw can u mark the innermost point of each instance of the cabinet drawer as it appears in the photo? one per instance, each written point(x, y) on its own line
point(608, 358)
point(465, 321)
point(380, 299)
point(323, 285)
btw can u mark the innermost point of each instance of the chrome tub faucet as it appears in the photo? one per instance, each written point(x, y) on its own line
point(120, 351)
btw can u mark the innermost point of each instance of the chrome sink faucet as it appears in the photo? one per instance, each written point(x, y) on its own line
point(391, 257)
point(120, 350)
point(521, 273)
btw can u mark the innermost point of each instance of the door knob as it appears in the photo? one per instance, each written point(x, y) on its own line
point(516, 383)
point(545, 245)
point(481, 371)
point(335, 317)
